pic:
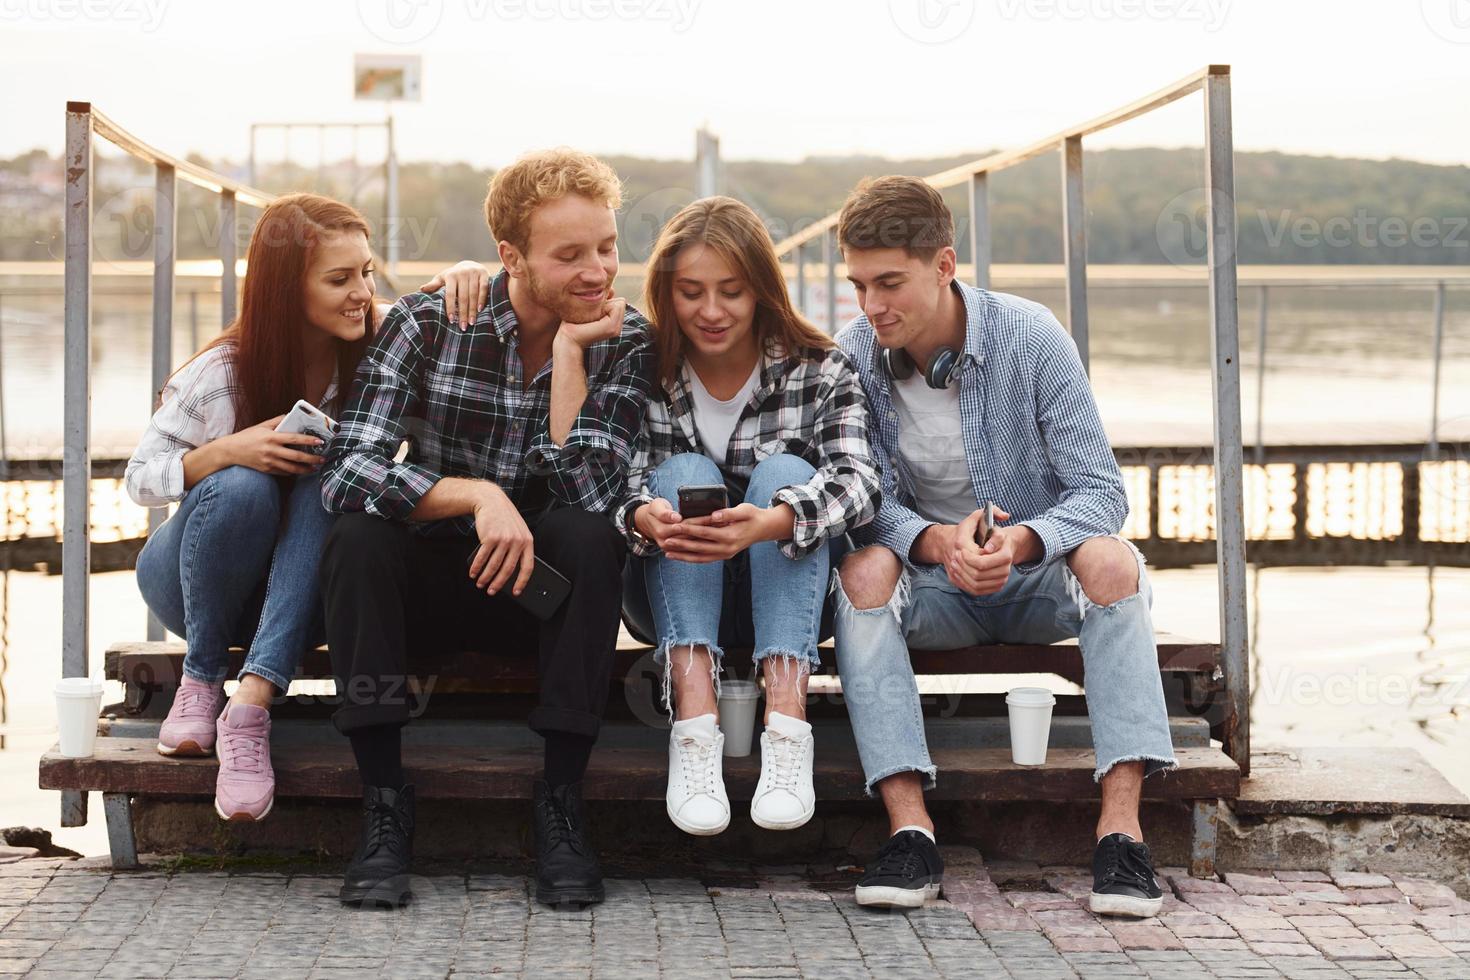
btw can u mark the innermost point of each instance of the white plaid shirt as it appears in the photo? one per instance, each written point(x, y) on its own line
point(809, 406)
point(197, 406)
point(1034, 442)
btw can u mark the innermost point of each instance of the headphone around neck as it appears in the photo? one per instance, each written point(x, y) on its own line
point(939, 373)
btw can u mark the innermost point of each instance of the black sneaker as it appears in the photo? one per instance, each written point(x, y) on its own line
point(566, 867)
point(378, 872)
point(907, 870)
point(1123, 881)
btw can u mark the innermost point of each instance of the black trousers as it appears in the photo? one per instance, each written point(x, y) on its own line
point(391, 593)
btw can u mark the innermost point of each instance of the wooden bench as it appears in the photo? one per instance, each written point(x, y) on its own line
point(472, 743)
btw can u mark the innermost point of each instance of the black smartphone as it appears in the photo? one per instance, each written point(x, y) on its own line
point(702, 500)
point(543, 594)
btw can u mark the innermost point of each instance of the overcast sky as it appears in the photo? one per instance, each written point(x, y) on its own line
point(775, 79)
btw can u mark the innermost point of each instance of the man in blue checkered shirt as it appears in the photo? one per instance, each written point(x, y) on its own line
point(975, 397)
point(519, 428)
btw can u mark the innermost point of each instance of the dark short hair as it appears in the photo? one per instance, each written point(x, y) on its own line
point(896, 212)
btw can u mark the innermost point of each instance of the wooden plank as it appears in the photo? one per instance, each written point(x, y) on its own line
point(123, 765)
point(160, 663)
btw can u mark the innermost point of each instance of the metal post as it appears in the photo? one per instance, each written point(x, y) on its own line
point(250, 167)
point(165, 233)
point(1074, 244)
point(980, 229)
point(1225, 382)
point(76, 412)
point(227, 258)
point(76, 467)
point(4, 443)
point(706, 163)
point(829, 257)
point(193, 320)
point(800, 253)
point(1263, 294)
point(1438, 358)
point(390, 233)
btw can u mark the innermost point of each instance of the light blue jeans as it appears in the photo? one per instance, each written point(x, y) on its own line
point(236, 565)
point(1125, 696)
point(759, 598)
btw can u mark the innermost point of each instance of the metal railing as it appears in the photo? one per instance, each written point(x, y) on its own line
point(83, 123)
point(1219, 204)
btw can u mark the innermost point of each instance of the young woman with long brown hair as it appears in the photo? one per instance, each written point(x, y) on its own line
point(236, 564)
point(753, 397)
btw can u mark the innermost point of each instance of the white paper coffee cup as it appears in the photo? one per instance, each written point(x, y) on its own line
point(1030, 715)
point(738, 703)
point(78, 701)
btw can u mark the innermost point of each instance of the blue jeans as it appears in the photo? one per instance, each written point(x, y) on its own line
point(719, 604)
point(236, 565)
point(1125, 696)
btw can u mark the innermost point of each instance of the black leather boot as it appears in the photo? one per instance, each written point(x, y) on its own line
point(566, 867)
point(378, 873)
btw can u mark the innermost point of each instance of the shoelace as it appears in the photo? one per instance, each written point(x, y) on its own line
point(385, 828)
point(698, 759)
point(785, 762)
point(193, 702)
point(559, 829)
point(1128, 865)
point(244, 751)
point(897, 858)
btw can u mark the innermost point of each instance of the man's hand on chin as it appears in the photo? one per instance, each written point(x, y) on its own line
point(606, 327)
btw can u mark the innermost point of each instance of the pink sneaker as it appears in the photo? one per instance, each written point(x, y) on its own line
point(246, 786)
point(189, 727)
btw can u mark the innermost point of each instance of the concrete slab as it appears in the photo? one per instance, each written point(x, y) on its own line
point(1330, 781)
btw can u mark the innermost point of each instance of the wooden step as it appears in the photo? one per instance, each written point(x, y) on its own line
point(154, 665)
point(133, 766)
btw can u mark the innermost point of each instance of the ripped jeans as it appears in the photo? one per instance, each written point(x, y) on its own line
point(717, 604)
point(1125, 696)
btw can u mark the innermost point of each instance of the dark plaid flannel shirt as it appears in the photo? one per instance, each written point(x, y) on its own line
point(457, 398)
point(810, 407)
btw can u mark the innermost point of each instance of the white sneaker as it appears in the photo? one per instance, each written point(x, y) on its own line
point(696, 798)
point(784, 798)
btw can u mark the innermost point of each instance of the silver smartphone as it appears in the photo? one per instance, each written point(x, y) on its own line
point(987, 525)
point(306, 419)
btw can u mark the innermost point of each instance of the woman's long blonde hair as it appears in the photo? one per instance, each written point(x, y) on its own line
point(734, 231)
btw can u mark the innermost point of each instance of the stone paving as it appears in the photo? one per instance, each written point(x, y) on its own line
point(74, 919)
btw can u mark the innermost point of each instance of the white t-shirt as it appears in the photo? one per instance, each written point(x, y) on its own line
point(716, 419)
point(932, 445)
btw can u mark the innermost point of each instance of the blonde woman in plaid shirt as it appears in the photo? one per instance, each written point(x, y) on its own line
point(754, 397)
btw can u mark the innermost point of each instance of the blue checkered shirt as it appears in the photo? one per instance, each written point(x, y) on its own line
point(1034, 442)
point(457, 398)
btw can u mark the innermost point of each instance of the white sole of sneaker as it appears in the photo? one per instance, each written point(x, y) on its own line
point(800, 821)
point(190, 749)
point(891, 897)
point(244, 817)
point(694, 829)
point(1139, 908)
